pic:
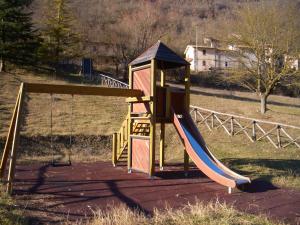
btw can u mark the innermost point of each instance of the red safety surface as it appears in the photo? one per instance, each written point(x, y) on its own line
point(76, 191)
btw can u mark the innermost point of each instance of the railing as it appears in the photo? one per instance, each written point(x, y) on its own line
point(278, 134)
point(109, 81)
point(120, 141)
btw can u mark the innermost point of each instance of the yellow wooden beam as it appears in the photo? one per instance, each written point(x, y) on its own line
point(187, 108)
point(162, 146)
point(162, 79)
point(15, 142)
point(153, 120)
point(129, 126)
point(114, 149)
point(139, 99)
point(80, 90)
point(9, 139)
point(187, 84)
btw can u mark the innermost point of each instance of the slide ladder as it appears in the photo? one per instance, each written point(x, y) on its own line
point(120, 138)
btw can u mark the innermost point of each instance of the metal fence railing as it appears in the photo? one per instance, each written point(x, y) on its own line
point(109, 81)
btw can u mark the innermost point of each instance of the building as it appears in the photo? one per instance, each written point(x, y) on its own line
point(210, 55)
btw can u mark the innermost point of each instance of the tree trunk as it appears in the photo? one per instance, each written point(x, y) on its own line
point(263, 103)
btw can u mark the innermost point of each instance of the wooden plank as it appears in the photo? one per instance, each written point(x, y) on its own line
point(222, 124)
point(243, 129)
point(292, 139)
point(114, 149)
point(15, 143)
point(80, 90)
point(9, 139)
point(129, 125)
point(135, 68)
point(266, 135)
point(153, 120)
point(138, 99)
point(162, 146)
point(204, 119)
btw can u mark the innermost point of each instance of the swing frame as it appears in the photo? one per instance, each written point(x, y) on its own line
point(13, 137)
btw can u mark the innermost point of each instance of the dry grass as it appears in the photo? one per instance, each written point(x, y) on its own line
point(10, 214)
point(209, 214)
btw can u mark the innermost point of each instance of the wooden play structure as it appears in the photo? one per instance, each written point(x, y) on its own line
point(137, 135)
point(150, 103)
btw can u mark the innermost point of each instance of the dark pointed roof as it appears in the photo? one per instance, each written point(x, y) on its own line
point(165, 57)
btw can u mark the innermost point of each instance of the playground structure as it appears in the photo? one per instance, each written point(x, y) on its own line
point(162, 104)
point(150, 102)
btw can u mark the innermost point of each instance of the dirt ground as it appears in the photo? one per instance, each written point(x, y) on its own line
point(55, 193)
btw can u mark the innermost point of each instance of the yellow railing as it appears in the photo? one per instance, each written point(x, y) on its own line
point(120, 141)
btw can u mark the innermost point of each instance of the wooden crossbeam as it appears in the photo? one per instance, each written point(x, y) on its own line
point(293, 141)
point(266, 134)
point(80, 90)
point(225, 128)
point(139, 99)
point(204, 119)
point(222, 123)
point(243, 129)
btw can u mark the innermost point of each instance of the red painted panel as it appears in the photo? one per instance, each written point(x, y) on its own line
point(142, 81)
point(140, 155)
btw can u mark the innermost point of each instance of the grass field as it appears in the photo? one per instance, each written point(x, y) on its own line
point(94, 119)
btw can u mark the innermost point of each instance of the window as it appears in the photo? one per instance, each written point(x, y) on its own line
point(226, 64)
point(203, 63)
point(204, 52)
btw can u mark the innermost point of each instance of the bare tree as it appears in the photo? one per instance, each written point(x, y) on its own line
point(266, 36)
point(134, 32)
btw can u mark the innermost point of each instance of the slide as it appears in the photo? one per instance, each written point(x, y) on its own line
point(202, 157)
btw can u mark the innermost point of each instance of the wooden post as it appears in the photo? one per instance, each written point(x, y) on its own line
point(254, 131)
point(162, 128)
point(153, 118)
point(187, 108)
point(129, 125)
point(9, 139)
point(114, 149)
point(278, 137)
point(162, 146)
point(121, 138)
point(195, 115)
point(15, 142)
point(231, 126)
point(187, 85)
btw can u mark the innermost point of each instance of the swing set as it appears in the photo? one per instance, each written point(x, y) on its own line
point(13, 136)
